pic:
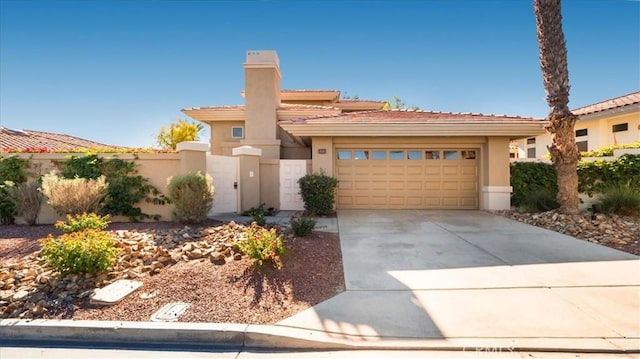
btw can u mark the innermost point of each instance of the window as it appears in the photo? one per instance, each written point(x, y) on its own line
point(379, 155)
point(360, 155)
point(531, 152)
point(237, 132)
point(344, 155)
point(469, 155)
point(414, 155)
point(450, 155)
point(531, 141)
point(512, 155)
point(582, 132)
point(583, 146)
point(396, 155)
point(432, 155)
point(620, 127)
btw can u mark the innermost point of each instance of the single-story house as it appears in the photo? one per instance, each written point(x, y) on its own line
point(24, 140)
point(610, 122)
point(402, 159)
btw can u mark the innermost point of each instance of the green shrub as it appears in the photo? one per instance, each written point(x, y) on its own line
point(318, 192)
point(192, 195)
point(530, 178)
point(540, 201)
point(27, 199)
point(73, 196)
point(621, 198)
point(87, 251)
point(302, 226)
point(126, 188)
point(257, 214)
point(12, 172)
point(596, 176)
point(262, 245)
point(81, 222)
point(8, 209)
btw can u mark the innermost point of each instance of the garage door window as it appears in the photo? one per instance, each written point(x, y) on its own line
point(360, 155)
point(344, 155)
point(396, 155)
point(432, 155)
point(414, 155)
point(469, 155)
point(379, 155)
point(450, 155)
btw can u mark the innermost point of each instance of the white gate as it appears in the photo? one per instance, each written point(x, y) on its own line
point(224, 171)
point(290, 172)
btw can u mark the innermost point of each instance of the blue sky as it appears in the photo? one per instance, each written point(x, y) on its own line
point(116, 71)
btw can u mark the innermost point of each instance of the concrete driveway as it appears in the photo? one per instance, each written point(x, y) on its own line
point(452, 279)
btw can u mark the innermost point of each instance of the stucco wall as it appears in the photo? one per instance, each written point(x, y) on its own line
point(156, 167)
point(221, 141)
point(599, 133)
point(270, 182)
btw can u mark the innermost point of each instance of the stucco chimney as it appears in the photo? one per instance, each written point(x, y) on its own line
point(262, 98)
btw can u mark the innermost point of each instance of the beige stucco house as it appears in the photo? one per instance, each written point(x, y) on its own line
point(382, 158)
point(611, 122)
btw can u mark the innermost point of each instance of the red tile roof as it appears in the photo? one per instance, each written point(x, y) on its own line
point(411, 116)
point(23, 139)
point(613, 103)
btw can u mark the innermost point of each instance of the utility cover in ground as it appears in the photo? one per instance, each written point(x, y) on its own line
point(115, 292)
point(170, 312)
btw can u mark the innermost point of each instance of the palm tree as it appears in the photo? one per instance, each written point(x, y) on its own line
point(553, 60)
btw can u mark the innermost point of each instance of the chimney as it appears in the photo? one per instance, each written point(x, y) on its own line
point(262, 97)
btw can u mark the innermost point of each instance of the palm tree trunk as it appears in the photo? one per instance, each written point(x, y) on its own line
point(555, 74)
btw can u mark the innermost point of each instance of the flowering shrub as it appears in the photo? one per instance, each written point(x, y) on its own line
point(92, 150)
point(262, 245)
point(87, 251)
point(302, 226)
point(83, 221)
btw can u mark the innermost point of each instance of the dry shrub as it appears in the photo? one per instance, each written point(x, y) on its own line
point(74, 196)
point(28, 199)
point(192, 196)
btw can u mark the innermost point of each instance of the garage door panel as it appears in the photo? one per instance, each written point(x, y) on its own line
point(431, 170)
point(414, 170)
point(414, 185)
point(408, 183)
point(450, 170)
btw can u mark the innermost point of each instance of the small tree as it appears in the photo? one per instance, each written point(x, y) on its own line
point(179, 131)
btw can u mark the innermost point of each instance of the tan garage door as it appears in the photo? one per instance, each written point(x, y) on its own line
point(420, 178)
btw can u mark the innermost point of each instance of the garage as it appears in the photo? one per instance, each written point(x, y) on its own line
point(407, 178)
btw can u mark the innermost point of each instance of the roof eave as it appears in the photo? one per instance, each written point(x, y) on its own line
point(511, 130)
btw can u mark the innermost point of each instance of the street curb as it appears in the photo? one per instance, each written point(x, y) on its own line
point(275, 337)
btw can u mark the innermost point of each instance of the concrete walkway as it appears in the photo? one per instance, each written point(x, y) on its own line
point(463, 279)
point(283, 218)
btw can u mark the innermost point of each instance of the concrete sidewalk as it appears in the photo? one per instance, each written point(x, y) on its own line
point(443, 280)
point(467, 278)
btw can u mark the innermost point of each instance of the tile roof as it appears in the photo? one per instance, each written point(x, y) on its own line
point(360, 100)
point(306, 90)
point(411, 116)
point(223, 107)
point(295, 106)
point(23, 139)
point(610, 104)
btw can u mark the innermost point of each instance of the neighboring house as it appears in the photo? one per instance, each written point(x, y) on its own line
point(21, 140)
point(611, 122)
point(382, 158)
